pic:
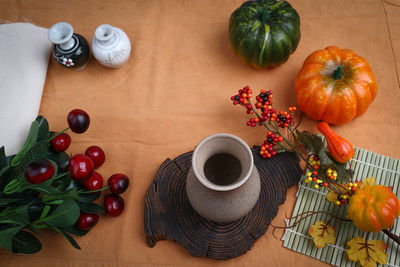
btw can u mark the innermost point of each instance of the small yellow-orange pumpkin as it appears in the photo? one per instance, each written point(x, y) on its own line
point(335, 85)
point(373, 208)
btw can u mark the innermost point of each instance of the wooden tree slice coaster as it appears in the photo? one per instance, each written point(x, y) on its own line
point(168, 214)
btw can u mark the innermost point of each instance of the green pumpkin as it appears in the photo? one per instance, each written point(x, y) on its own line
point(264, 33)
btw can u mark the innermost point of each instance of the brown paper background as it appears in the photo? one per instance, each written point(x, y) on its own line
point(175, 90)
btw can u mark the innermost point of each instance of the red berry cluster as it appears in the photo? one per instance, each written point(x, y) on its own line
point(284, 118)
point(267, 148)
point(242, 98)
point(253, 122)
point(264, 103)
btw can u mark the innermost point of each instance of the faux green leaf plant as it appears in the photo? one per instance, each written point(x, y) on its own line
point(26, 209)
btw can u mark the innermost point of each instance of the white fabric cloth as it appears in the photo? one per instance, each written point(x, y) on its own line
point(24, 56)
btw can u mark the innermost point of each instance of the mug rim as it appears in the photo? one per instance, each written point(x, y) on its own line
point(204, 181)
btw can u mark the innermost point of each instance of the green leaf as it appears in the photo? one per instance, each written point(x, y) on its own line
point(33, 133)
point(66, 214)
point(61, 158)
point(4, 170)
point(36, 151)
point(6, 237)
point(30, 141)
point(3, 158)
point(32, 228)
point(35, 209)
point(90, 207)
point(45, 211)
point(44, 189)
point(43, 128)
point(18, 214)
point(55, 202)
point(25, 243)
point(70, 239)
point(16, 185)
point(7, 201)
point(89, 197)
point(74, 230)
point(19, 219)
point(64, 183)
point(5, 175)
point(312, 142)
point(20, 184)
point(69, 194)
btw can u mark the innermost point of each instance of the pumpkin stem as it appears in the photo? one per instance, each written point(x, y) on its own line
point(338, 73)
point(265, 15)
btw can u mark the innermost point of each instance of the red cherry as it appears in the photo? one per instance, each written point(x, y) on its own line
point(118, 183)
point(61, 142)
point(87, 221)
point(38, 171)
point(81, 167)
point(114, 205)
point(78, 120)
point(96, 154)
point(94, 182)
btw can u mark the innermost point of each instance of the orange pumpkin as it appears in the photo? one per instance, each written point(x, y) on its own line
point(373, 208)
point(339, 148)
point(335, 85)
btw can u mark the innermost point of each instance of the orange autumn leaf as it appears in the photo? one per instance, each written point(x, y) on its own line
point(322, 234)
point(370, 181)
point(369, 253)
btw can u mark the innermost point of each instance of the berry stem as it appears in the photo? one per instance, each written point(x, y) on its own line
point(62, 175)
point(283, 147)
point(57, 134)
point(300, 120)
point(94, 191)
point(275, 129)
point(293, 135)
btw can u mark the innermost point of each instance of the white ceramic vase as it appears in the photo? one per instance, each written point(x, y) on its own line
point(111, 46)
point(223, 184)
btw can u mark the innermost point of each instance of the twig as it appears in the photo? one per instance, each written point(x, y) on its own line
point(392, 236)
point(308, 214)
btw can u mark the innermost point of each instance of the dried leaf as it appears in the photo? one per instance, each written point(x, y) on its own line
point(312, 142)
point(322, 234)
point(343, 172)
point(369, 253)
point(332, 196)
point(368, 182)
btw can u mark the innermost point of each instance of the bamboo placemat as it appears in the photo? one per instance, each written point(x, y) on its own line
point(365, 164)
